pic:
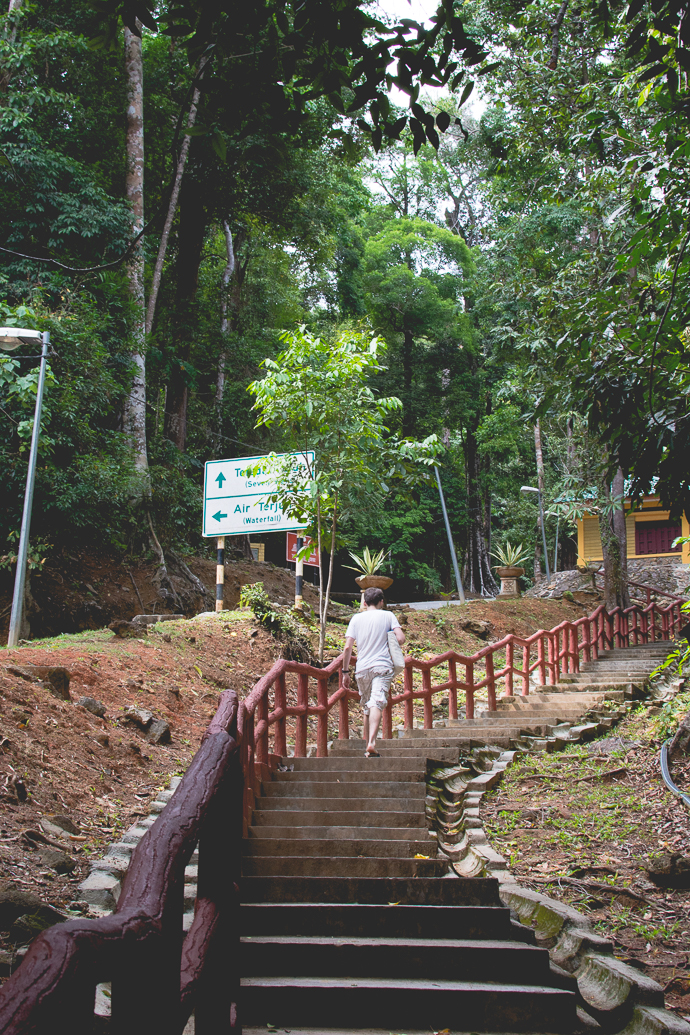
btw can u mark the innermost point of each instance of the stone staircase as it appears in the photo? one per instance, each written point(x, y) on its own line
point(345, 924)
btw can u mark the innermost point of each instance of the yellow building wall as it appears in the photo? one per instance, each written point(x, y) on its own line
point(589, 539)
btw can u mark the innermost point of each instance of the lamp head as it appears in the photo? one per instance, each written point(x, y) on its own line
point(528, 488)
point(12, 337)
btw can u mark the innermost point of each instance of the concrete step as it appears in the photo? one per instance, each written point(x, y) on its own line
point(301, 818)
point(401, 1003)
point(338, 833)
point(362, 776)
point(344, 763)
point(370, 848)
point(390, 921)
point(398, 747)
point(418, 891)
point(293, 802)
point(341, 866)
point(434, 958)
point(508, 727)
point(344, 788)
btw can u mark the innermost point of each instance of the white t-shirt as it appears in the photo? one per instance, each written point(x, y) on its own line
point(370, 629)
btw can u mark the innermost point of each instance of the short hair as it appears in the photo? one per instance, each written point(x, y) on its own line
point(373, 595)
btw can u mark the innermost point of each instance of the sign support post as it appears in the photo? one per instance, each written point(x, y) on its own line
point(220, 572)
point(299, 573)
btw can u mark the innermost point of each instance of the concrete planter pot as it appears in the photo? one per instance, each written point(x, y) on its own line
point(510, 586)
point(378, 581)
point(367, 581)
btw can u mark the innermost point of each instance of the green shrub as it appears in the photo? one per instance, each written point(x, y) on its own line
point(279, 623)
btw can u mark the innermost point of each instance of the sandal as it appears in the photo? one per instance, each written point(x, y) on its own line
point(371, 754)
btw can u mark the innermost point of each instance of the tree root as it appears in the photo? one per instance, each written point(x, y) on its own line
point(198, 585)
point(161, 579)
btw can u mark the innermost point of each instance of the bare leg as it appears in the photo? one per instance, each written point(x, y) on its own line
point(365, 727)
point(371, 727)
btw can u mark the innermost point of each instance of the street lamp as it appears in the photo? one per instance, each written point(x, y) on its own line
point(531, 488)
point(10, 339)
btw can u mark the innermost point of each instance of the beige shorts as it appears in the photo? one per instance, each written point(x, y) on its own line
point(374, 687)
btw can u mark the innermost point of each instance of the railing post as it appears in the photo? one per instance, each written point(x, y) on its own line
point(469, 692)
point(387, 721)
point(428, 708)
point(343, 710)
point(575, 643)
point(525, 670)
point(322, 717)
point(541, 660)
point(279, 734)
point(510, 664)
point(250, 784)
point(301, 719)
point(453, 689)
point(409, 702)
point(490, 683)
point(146, 979)
point(215, 1002)
point(553, 659)
point(586, 640)
point(262, 743)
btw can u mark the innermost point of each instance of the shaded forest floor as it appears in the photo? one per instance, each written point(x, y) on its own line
point(584, 827)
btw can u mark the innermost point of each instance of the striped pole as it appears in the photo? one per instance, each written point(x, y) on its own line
point(299, 573)
point(220, 572)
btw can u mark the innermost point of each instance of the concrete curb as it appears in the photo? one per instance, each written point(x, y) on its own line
point(612, 995)
point(102, 887)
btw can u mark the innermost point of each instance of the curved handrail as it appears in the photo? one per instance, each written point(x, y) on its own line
point(156, 983)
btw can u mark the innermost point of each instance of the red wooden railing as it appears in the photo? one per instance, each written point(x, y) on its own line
point(157, 978)
point(549, 654)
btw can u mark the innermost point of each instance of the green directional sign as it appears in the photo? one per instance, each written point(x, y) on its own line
point(237, 495)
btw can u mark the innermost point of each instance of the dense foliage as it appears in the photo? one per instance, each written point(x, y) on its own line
point(528, 262)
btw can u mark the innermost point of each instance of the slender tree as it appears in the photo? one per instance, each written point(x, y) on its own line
point(135, 407)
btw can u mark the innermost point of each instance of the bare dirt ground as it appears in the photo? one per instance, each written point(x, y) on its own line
point(584, 827)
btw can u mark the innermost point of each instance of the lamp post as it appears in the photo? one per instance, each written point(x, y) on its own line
point(458, 580)
point(10, 339)
point(531, 488)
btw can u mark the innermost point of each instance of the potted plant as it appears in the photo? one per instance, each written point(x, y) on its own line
point(368, 565)
point(509, 569)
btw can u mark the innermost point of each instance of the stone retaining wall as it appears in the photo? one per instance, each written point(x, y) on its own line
point(665, 573)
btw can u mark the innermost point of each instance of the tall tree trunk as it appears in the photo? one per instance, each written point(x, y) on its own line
point(190, 247)
point(172, 204)
point(538, 549)
point(224, 322)
point(135, 405)
point(477, 574)
point(614, 543)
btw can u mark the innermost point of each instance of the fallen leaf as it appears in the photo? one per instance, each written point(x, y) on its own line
point(421, 856)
